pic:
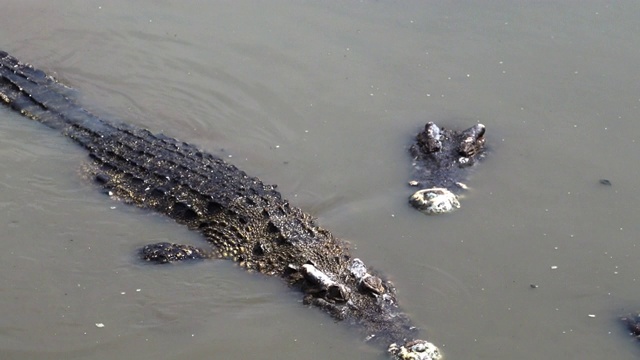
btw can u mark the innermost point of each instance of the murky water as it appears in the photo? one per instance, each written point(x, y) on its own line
point(322, 99)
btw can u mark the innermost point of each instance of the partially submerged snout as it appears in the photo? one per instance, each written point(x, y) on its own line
point(415, 350)
point(434, 201)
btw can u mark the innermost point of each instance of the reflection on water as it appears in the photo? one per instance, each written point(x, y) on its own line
point(322, 99)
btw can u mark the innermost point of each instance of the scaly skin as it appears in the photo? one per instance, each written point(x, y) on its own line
point(243, 219)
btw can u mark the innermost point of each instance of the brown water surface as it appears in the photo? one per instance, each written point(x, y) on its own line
point(322, 98)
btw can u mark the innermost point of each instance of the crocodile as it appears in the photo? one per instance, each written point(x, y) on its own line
point(242, 218)
point(440, 157)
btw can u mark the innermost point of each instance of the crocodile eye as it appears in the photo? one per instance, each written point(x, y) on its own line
point(372, 284)
point(338, 292)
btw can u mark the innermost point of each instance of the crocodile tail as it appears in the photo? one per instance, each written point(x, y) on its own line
point(40, 97)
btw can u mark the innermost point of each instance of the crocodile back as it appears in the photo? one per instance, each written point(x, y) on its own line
point(242, 218)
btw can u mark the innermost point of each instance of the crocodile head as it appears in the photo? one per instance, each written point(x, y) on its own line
point(441, 157)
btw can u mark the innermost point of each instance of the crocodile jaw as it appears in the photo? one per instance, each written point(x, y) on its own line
point(415, 350)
